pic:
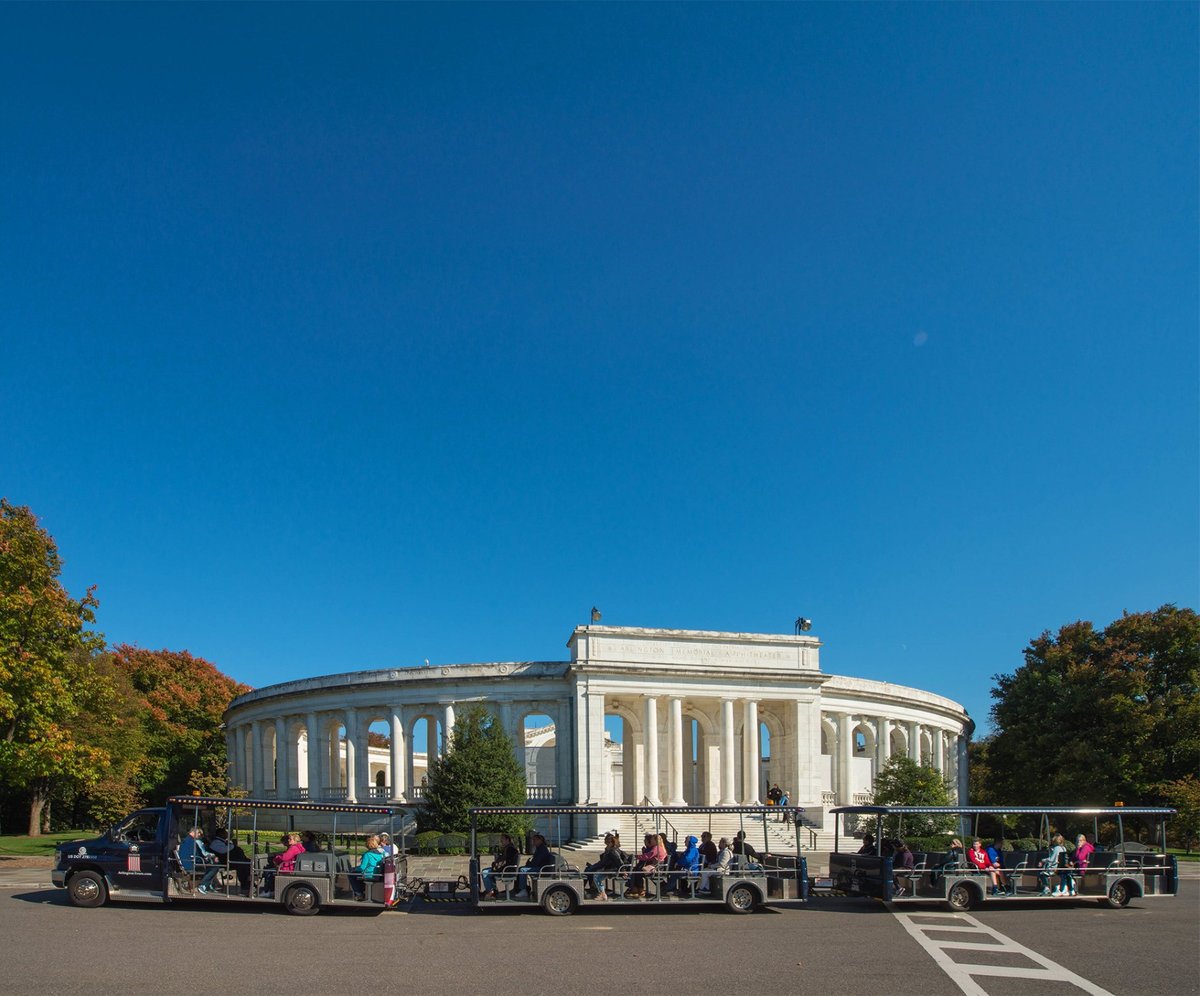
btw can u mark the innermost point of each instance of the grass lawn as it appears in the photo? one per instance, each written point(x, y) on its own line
point(43, 846)
point(1179, 853)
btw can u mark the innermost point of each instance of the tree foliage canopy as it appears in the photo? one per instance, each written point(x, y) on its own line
point(479, 769)
point(903, 782)
point(1095, 717)
point(45, 654)
point(181, 700)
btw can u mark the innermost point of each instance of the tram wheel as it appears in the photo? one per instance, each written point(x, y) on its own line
point(87, 889)
point(1118, 896)
point(961, 898)
point(559, 901)
point(302, 900)
point(741, 899)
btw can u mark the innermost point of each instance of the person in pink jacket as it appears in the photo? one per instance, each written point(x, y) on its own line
point(651, 856)
point(285, 861)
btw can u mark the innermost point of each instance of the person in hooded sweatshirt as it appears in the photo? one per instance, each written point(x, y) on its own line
point(687, 863)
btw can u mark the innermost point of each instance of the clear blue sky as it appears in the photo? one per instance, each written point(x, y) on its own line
point(347, 337)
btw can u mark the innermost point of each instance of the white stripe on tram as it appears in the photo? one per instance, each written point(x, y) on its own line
point(964, 975)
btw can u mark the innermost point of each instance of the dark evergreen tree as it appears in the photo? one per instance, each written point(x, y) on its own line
point(479, 769)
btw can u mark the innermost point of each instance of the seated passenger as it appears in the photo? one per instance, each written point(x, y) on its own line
point(386, 847)
point(309, 840)
point(740, 846)
point(194, 856)
point(227, 851)
point(611, 860)
point(708, 849)
point(1057, 855)
point(284, 861)
point(367, 870)
point(508, 858)
point(687, 863)
point(653, 853)
point(868, 844)
point(980, 860)
point(902, 861)
point(539, 861)
point(719, 867)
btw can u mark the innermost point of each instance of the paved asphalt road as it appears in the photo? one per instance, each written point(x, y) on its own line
point(837, 946)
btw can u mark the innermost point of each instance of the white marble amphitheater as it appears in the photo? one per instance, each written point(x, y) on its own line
point(692, 717)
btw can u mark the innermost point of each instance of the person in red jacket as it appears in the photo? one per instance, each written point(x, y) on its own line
point(978, 857)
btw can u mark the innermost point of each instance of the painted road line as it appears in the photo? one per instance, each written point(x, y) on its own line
point(967, 975)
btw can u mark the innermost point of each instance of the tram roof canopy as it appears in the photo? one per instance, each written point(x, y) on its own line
point(1005, 810)
point(617, 810)
point(298, 805)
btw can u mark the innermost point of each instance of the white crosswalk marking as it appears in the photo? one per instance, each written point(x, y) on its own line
point(966, 975)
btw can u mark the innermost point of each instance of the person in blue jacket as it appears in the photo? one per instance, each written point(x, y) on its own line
point(687, 863)
point(367, 868)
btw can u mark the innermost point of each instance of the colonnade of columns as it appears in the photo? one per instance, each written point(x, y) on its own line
point(658, 757)
point(265, 753)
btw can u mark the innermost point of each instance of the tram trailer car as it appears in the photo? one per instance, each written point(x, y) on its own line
point(1117, 871)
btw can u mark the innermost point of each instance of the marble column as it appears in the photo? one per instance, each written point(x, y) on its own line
point(964, 780)
point(567, 724)
point(333, 755)
point(447, 726)
point(282, 789)
point(939, 757)
point(242, 770)
point(728, 755)
point(883, 743)
point(675, 768)
point(914, 742)
point(351, 723)
point(314, 755)
point(258, 764)
point(752, 754)
point(845, 751)
point(396, 767)
point(652, 797)
point(409, 717)
point(362, 782)
point(590, 743)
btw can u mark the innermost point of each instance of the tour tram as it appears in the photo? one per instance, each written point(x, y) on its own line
point(140, 857)
point(752, 879)
point(1120, 868)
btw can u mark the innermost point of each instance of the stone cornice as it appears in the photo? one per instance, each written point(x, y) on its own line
point(401, 678)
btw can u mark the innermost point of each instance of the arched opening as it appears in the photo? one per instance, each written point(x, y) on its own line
point(620, 781)
point(541, 757)
point(825, 765)
point(426, 738)
point(862, 764)
point(899, 743)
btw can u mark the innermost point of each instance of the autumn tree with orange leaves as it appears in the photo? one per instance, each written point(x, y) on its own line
point(181, 700)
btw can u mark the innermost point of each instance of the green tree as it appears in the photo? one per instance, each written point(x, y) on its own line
point(478, 769)
point(1183, 794)
point(1094, 717)
point(903, 782)
point(45, 654)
